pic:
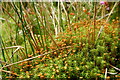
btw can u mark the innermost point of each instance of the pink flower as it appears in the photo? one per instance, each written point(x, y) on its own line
point(108, 8)
point(102, 2)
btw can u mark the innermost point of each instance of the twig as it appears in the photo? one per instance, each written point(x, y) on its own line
point(102, 27)
point(105, 16)
point(33, 57)
point(94, 21)
point(2, 18)
point(100, 32)
point(18, 47)
point(111, 73)
point(8, 72)
point(111, 11)
point(12, 47)
point(115, 67)
point(15, 51)
point(105, 73)
point(2, 62)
